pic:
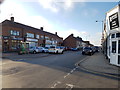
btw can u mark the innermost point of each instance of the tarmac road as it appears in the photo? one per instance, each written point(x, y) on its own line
point(50, 71)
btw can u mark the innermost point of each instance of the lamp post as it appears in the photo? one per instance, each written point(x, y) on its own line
point(102, 28)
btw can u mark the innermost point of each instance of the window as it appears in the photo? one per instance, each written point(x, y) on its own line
point(42, 37)
point(117, 35)
point(113, 36)
point(119, 46)
point(118, 59)
point(15, 33)
point(30, 35)
point(47, 38)
point(37, 36)
point(114, 47)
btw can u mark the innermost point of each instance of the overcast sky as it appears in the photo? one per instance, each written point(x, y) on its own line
point(66, 17)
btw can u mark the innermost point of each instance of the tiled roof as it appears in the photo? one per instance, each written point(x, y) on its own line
point(19, 25)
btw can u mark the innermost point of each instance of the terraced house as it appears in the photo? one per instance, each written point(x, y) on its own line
point(15, 34)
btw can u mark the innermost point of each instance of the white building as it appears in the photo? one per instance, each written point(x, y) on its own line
point(113, 35)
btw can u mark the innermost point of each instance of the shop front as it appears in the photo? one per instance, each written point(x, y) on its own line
point(32, 42)
point(115, 50)
point(5, 43)
point(11, 43)
point(113, 38)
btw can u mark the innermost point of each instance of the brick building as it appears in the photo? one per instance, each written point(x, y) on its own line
point(73, 42)
point(14, 33)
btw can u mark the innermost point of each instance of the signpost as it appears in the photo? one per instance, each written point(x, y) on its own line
point(114, 21)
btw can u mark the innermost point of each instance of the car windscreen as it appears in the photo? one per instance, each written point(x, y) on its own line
point(52, 47)
point(46, 47)
point(87, 48)
point(58, 47)
point(32, 47)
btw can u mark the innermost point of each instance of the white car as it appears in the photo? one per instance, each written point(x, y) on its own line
point(43, 49)
point(34, 50)
point(55, 49)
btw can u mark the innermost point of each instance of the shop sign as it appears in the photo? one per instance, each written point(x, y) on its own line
point(114, 21)
point(33, 40)
point(5, 37)
point(19, 38)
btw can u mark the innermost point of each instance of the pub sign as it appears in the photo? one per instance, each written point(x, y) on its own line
point(114, 21)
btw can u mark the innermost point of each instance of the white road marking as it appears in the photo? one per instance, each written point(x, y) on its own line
point(58, 82)
point(70, 86)
point(74, 69)
point(66, 75)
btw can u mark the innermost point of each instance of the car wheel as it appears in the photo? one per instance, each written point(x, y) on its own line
point(62, 52)
point(91, 54)
point(43, 51)
point(83, 53)
point(57, 52)
point(34, 52)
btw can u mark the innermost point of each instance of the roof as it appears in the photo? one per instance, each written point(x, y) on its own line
point(112, 9)
point(76, 38)
point(20, 25)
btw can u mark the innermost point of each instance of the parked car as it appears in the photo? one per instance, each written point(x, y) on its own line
point(56, 49)
point(34, 50)
point(62, 47)
point(74, 49)
point(45, 49)
point(67, 48)
point(97, 49)
point(87, 50)
point(94, 49)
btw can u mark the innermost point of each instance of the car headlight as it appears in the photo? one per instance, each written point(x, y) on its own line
point(90, 50)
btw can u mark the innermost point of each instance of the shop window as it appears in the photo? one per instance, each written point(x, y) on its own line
point(30, 35)
point(42, 37)
point(113, 36)
point(117, 35)
point(15, 33)
point(14, 44)
point(37, 36)
point(114, 47)
point(119, 46)
point(47, 38)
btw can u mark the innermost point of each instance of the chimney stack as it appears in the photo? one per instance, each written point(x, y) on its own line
point(41, 28)
point(55, 33)
point(12, 19)
point(71, 34)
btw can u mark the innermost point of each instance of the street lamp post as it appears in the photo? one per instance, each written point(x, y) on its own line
point(102, 28)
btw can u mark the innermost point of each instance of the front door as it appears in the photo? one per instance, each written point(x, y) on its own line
point(118, 52)
point(113, 56)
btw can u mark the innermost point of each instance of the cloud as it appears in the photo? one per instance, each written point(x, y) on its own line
point(90, 12)
point(68, 4)
point(8, 8)
point(49, 4)
point(57, 5)
point(96, 38)
point(76, 33)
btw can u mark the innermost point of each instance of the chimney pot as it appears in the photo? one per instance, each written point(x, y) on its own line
point(12, 19)
point(41, 28)
point(71, 34)
point(55, 33)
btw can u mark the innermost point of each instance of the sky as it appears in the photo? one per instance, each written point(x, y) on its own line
point(65, 17)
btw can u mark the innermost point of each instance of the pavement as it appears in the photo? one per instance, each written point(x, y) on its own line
point(15, 56)
point(98, 63)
